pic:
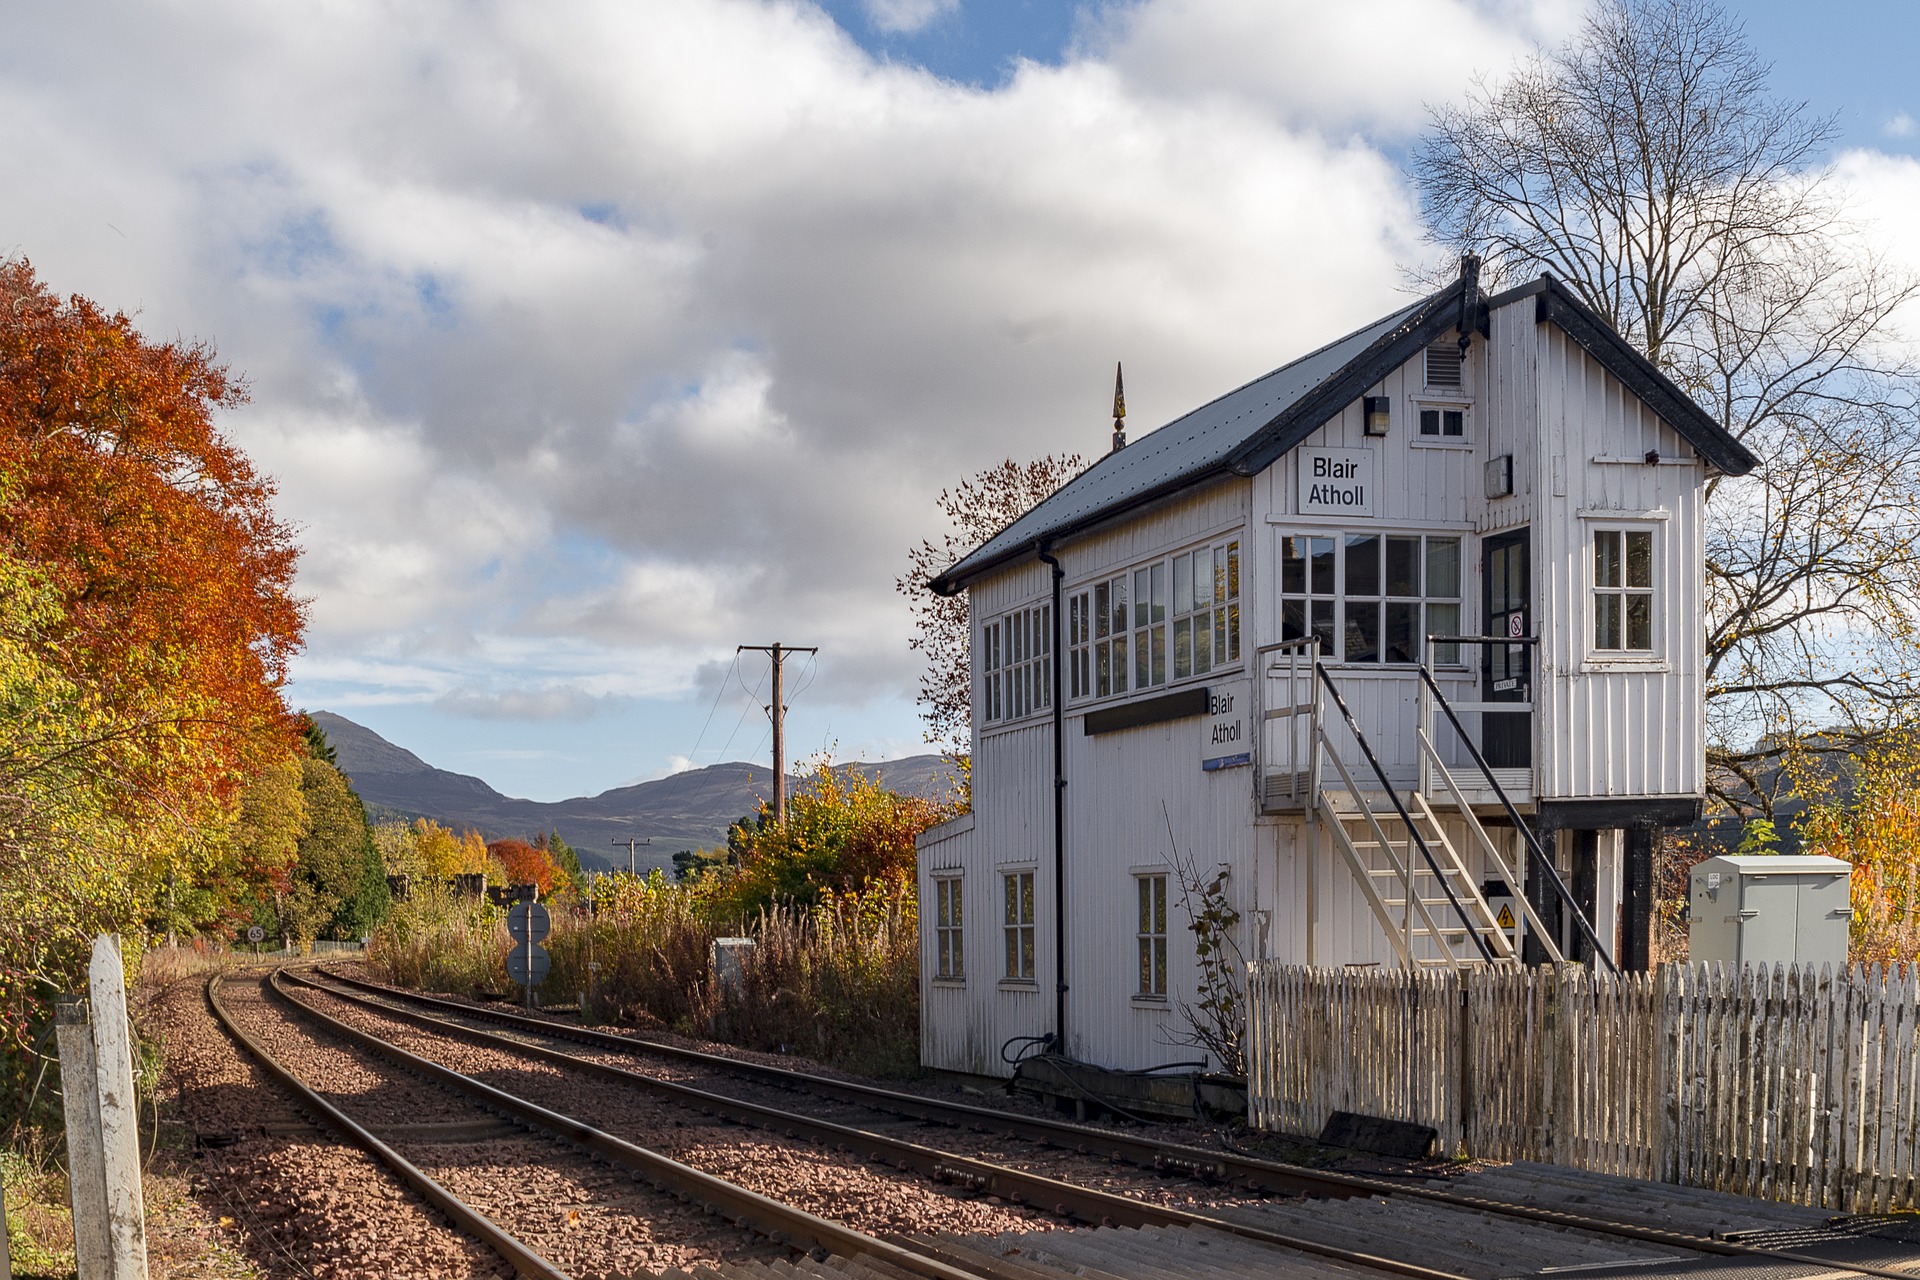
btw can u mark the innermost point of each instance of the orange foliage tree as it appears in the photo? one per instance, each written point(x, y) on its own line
point(525, 864)
point(174, 576)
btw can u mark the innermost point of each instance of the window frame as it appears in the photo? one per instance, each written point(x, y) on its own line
point(1145, 595)
point(1020, 937)
point(1442, 405)
point(1338, 617)
point(1016, 664)
point(1150, 935)
point(1653, 593)
point(949, 929)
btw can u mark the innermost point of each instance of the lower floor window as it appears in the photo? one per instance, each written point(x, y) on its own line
point(1152, 934)
point(1019, 926)
point(950, 957)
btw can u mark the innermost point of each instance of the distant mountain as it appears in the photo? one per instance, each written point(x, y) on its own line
point(681, 811)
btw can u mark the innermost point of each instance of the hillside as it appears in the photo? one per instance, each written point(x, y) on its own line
point(683, 811)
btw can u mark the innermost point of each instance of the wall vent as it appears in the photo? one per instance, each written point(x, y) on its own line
point(1443, 365)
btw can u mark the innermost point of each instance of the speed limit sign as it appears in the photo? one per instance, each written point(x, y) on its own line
point(256, 934)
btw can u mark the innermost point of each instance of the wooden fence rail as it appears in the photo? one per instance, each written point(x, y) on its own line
point(1792, 1084)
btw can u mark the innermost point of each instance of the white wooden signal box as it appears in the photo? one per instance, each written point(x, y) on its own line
point(1410, 622)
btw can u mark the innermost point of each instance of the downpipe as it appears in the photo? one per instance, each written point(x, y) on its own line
point(1059, 812)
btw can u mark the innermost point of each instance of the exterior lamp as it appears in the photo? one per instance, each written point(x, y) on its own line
point(1375, 414)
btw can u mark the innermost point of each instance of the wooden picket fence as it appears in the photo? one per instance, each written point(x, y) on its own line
point(1791, 1084)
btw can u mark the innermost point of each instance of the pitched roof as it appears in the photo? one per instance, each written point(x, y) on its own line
point(1249, 428)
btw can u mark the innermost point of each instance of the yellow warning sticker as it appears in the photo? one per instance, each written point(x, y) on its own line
point(1506, 916)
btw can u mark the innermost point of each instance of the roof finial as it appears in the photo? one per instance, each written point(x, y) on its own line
point(1119, 410)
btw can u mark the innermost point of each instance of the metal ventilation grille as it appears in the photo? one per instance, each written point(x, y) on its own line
point(1443, 365)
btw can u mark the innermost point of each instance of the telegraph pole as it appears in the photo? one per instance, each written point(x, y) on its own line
point(633, 861)
point(778, 710)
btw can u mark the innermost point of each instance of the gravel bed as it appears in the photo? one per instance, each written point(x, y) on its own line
point(1095, 1171)
point(847, 1189)
point(583, 1217)
point(287, 1203)
point(1194, 1133)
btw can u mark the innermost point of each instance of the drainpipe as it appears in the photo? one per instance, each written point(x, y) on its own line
point(1059, 817)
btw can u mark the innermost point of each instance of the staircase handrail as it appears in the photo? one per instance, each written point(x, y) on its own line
point(1533, 844)
point(1426, 854)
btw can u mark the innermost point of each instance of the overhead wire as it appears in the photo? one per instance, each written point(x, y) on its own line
point(720, 689)
point(753, 700)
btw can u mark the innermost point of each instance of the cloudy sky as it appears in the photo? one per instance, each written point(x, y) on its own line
point(590, 340)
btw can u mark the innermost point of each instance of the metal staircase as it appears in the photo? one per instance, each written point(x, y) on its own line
point(1412, 875)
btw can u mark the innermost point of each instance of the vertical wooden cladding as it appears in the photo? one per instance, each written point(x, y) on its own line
point(1115, 825)
point(1417, 483)
point(1614, 725)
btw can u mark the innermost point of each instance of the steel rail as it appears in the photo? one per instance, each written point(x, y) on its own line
point(1066, 1199)
point(781, 1223)
point(523, 1260)
point(1199, 1162)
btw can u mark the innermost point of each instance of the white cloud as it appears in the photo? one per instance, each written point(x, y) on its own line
point(1358, 63)
point(1900, 125)
point(588, 340)
point(905, 16)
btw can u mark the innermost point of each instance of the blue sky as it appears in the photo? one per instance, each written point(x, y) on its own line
point(589, 340)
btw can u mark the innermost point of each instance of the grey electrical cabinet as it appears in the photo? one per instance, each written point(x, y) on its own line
point(1770, 909)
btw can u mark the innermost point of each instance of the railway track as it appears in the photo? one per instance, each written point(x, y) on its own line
point(1422, 1205)
point(814, 1244)
point(811, 1244)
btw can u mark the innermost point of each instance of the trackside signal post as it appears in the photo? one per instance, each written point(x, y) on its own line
point(778, 711)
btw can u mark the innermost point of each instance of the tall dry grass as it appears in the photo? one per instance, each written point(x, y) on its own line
point(437, 940)
point(837, 981)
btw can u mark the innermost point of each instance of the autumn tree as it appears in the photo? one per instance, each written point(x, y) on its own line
point(174, 575)
point(524, 864)
point(1868, 814)
point(977, 508)
point(1647, 164)
point(564, 858)
point(844, 834)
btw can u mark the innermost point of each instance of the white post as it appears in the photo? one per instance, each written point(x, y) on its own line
point(119, 1111)
point(86, 1176)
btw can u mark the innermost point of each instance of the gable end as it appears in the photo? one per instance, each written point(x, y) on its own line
point(1313, 411)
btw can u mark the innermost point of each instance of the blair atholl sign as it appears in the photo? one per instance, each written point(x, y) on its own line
point(1336, 482)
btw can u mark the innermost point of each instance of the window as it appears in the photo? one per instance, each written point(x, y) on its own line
point(950, 954)
point(1019, 927)
point(1016, 654)
point(1443, 424)
point(1623, 590)
point(1152, 934)
point(1206, 609)
point(1098, 639)
point(1371, 597)
point(1443, 364)
point(1173, 618)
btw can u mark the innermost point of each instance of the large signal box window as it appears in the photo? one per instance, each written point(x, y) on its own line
point(1371, 597)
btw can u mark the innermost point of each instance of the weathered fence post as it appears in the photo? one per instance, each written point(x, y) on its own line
point(119, 1110)
point(102, 1122)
